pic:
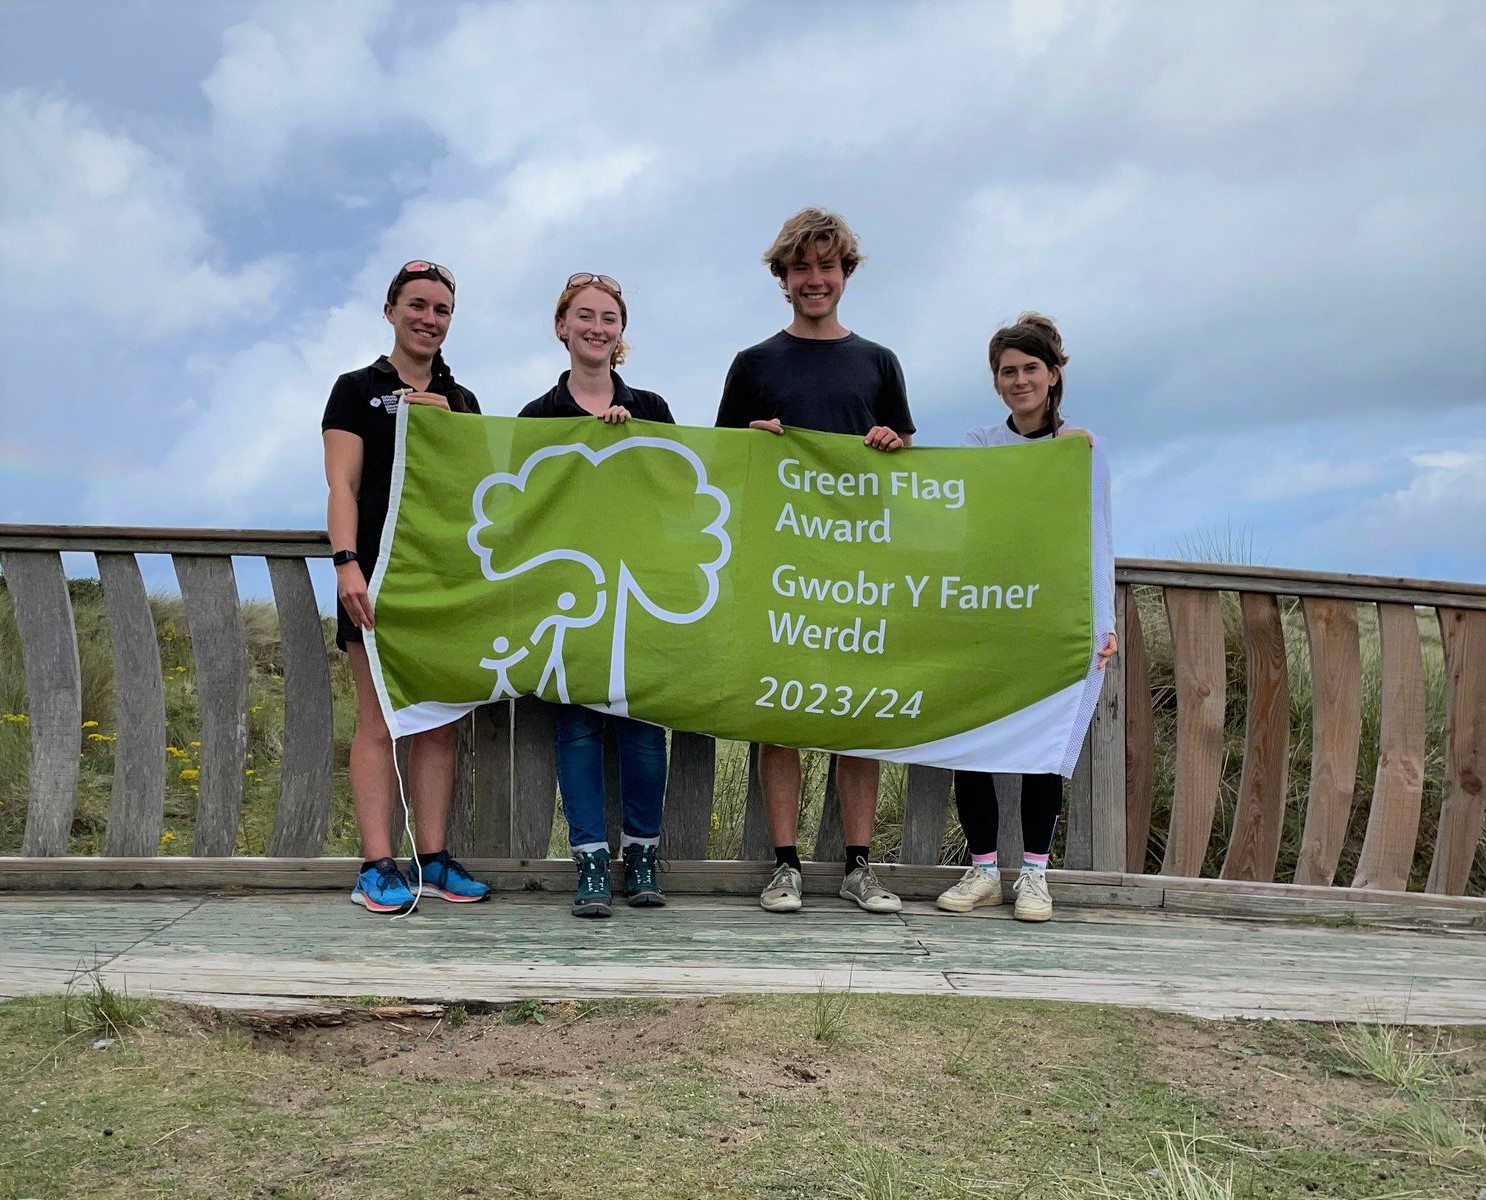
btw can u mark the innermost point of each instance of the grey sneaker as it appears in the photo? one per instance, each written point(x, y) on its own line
point(1033, 901)
point(975, 889)
point(783, 892)
point(862, 887)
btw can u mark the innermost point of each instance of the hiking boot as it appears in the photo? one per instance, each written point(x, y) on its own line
point(1033, 902)
point(446, 878)
point(594, 897)
point(641, 881)
point(382, 889)
point(862, 887)
point(783, 891)
point(976, 889)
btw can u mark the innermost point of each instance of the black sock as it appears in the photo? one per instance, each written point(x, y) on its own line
point(787, 856)
point(425, 859)
point(368, 863)
point(856, 856)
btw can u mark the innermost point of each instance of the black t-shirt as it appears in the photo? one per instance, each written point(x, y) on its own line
point(559, 402)
point(844, 385)
point(362, 402)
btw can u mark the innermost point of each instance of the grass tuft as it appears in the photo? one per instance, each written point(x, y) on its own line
point(100, 1009)
point(1393, 1055)
point(1175, 1173)
point(1432, 1130)
point(830, 1014)
point(873, 1174)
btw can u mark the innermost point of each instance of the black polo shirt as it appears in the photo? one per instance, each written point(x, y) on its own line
point(362, 402)
point(837, 385)
point(559, 402)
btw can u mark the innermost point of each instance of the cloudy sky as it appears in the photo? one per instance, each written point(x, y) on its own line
point(1261, 226)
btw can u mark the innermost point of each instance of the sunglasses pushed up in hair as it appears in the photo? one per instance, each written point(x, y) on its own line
point(422, 267)
point(586, 277)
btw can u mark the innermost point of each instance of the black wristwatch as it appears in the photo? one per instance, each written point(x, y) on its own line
point(341, 557)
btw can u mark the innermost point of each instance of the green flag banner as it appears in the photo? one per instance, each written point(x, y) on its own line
point(929, 606)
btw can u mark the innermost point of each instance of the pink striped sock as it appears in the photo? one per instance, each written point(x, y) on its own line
point(986, 862)
point(1034, 862)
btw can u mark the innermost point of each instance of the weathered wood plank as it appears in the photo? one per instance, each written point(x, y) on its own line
point(219, 649)
point(1393, 820)
point(1284, 581)
point(1336, 705)
point(1254, 849)
point(1078, 805)
point(1201, 695)
point(125, 539)
point(491, 735)
point(54, 694)
point(1009, 844)
point(459, 833)
point(689, 786)
point(924, 806)
point(1107, 747)
point(533, 776)
point(1463, 810)
point(757, 842)
point(830, 840)
point(1140, 740)
point(309, 727)
point(613, 790)
point(136, 811)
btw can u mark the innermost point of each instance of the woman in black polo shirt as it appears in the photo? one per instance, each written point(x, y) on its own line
point(590, 320)
point(359, 431)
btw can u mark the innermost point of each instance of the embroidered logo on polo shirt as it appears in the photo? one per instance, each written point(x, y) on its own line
point(388, 403)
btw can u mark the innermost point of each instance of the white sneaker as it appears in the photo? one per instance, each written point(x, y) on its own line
point(1033, 902)
point(783, 892)
point(976, 889)
point(862, 887)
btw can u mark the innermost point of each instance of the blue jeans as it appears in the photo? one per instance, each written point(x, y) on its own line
point(580, 774)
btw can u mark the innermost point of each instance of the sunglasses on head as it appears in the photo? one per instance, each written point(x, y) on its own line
point(421, 266)
point(584, 277)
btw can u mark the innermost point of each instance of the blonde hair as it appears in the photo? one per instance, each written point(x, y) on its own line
point(565, 302)
point(811, 227)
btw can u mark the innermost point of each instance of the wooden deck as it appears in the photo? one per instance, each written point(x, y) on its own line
point(300, 951)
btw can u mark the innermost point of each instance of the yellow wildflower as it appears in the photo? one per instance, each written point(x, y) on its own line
point(99, 737)
point(90, 724)
point(175, 752)
point(190, 773)
point(17, 718)
point(250, 771)
point(195, 745)
point(166, 838)
point(179, 670)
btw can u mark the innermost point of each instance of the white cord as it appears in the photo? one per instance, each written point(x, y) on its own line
point(407, 824)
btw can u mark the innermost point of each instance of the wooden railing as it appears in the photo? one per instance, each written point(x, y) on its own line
point(506, 787)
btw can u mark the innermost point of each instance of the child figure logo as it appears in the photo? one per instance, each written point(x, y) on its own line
point(657, 539)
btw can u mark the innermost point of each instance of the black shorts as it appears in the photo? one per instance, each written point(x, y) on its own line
point(346, 630)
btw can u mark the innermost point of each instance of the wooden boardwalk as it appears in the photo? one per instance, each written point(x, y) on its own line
point(300, 951)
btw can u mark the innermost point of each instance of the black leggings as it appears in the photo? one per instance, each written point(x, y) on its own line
point(975, 798)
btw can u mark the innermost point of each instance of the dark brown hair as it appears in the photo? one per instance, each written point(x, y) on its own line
point(1036, 335)
point(442, 380)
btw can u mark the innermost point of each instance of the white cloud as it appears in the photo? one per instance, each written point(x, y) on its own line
point(299, 69)
point(110, 228)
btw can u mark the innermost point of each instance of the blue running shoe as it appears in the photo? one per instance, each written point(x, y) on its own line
point(446, 878)
point(594, 897)
point(382, 889)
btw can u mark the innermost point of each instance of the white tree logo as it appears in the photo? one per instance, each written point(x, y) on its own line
point(508, 494)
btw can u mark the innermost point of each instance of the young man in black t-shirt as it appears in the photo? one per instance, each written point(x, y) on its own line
point(817, 374)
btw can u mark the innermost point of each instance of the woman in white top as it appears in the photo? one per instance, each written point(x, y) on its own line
point(1027, 361)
